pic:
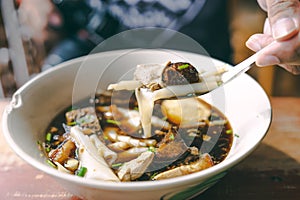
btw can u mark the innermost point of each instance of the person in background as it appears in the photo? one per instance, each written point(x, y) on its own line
point(282, 26)
point(86, 23)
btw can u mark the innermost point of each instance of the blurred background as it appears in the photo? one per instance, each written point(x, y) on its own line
point(23, 53)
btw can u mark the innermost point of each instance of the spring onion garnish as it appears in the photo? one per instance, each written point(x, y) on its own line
point(105, 137)
point(172, 137)
point(164, 118)
point(82, 120)
point(49, 162)
point(152, 149)
point(71, 123)
point(48, 137)
point(47, 149)
point(229, 131)
point(236, 135)
point(39, 143)
point(135, 108)
point(111, 121)
point(153, 175)
point(81, 172)
point(181, 67)
point(115, 165)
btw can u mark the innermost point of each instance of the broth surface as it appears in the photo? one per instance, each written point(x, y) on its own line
point(113, 118)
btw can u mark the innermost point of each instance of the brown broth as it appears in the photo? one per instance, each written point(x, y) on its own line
point(215, 140)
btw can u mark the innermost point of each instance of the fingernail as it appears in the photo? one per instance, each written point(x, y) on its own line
point(253, 45)
point(284, 27)
point(268, 60)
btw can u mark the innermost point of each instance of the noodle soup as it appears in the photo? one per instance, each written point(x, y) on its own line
point(102, 138)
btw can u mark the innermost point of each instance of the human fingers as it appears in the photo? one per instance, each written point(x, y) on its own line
point(284, 18)
point(258, 41)
point(294, 69)
point(262, 4)
point(266, 56)
point(285, 54)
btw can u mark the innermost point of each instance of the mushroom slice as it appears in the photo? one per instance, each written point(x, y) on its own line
point(63, 152)
point(205, 161)
point(135, 168)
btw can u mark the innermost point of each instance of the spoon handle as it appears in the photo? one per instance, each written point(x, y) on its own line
point(239, 68)
point(242, 67)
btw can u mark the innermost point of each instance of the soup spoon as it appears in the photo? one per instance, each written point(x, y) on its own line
point(187, 90)
point(193, 89)
point(198, 89)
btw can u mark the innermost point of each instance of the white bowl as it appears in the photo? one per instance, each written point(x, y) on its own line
point(35, 104)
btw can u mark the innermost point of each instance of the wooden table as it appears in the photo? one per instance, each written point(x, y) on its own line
point(272, 171)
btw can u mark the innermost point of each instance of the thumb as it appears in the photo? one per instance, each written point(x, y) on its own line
point(284, 17)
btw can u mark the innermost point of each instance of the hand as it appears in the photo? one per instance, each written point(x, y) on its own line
point(282, 26)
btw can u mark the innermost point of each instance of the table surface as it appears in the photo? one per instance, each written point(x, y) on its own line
point(272, 171)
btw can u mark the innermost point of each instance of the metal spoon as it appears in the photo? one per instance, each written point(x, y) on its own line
point(189, 90)
point(238, 69)
point(197, 89)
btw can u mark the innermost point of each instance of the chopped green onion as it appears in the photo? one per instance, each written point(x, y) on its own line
point(135, 108)
point(153, 175)
point(229, 131)
point(172, 137)
point(81, 172)
point(105, 137)
point(72, 123)
point(48, 137)
point(152, 149)
point(181, 67)
point(82, 120)
point(111, 121)
point(236, 135)
point(164, 118)
point(49, 162)
point(115, 165)
point(40, 145)
point(47, 149)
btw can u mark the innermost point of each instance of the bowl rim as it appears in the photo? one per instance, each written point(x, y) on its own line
point(122, 186)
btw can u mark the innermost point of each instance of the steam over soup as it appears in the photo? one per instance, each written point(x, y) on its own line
point(134, 131)
point(103, 139)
